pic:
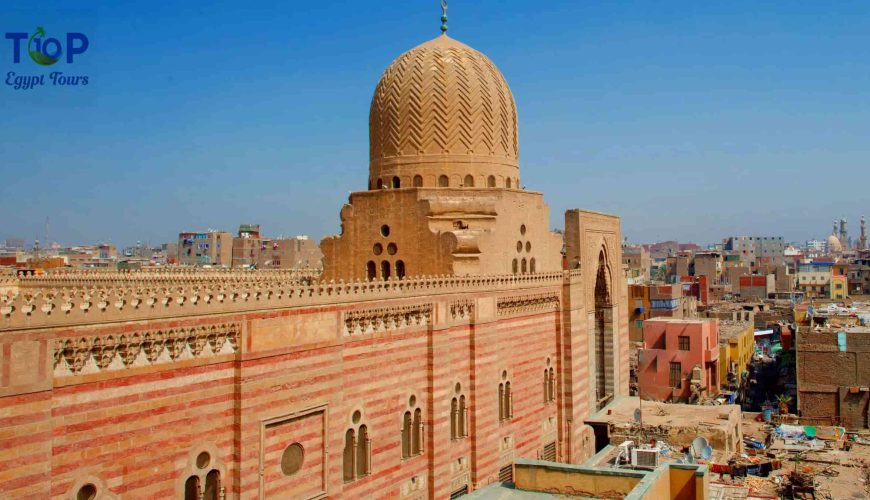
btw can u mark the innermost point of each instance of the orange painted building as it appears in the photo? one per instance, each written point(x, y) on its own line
point(679, 360)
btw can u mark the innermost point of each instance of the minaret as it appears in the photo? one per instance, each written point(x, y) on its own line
point(862, 241)
point(844, 236)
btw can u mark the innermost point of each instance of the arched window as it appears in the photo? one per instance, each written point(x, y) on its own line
point(507, 183)
point(418, 181)
point(417, 437)
point(514, 266)
point(412, 429)
point(490, 181)
point(501, 400)
point(212, 485)
point(385, 270)
point(443, 181)
point(406, 435)
point(546, 386)
point(469, 181)
point(371, 270)
point(363, 453)
point(549, 384)
point(191, 488)
point(463, 417)
point(508, 401)
point(532, 266)
point(400, 269)
point(349, 455)
point(524, 265)
point(552, 384)
point(380, 183)
point(397, 183)
point(454, 418)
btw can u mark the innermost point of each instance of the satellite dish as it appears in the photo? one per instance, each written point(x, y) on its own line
point(707, 453)
point(698, 446)
point(637, 414)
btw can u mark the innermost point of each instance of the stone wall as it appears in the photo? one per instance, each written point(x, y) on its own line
point(128, 398)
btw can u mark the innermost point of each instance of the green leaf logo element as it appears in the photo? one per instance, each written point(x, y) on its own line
point(37, 56)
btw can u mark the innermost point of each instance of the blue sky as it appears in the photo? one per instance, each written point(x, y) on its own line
point(691, 121)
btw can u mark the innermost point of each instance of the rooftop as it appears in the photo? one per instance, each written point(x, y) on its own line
point(730, 329)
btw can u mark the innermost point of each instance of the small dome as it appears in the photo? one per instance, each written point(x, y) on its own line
point(834, 244)
point(443, 109)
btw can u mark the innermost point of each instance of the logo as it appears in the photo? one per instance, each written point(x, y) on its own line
point(46, 51)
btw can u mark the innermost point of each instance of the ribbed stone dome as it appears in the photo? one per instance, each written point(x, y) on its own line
point(443, 109)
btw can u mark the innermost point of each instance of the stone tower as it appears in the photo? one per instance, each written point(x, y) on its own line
point(844, 234)
point(444, 194)
point(862, 240)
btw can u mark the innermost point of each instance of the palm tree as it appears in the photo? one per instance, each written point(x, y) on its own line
point(783, 401)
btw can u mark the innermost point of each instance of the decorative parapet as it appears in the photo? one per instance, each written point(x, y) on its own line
point(518, 304)
point(381, 319)
point(82, 355)
point(461, 309)
point(96, 302)
point(158, 276)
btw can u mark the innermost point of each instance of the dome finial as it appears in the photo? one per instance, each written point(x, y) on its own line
point(444, 16)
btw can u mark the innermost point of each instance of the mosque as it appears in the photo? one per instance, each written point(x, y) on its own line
point(452, 333)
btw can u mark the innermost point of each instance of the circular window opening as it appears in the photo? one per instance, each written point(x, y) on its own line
point(412, 400)
point(385, 230)
point(548, 361)
point(528, 246)
point(87, 492)
point(392, 249)
point(357, 416)
point(203, 459)
point(504, 374)
point(519, 246)
point(292, 458)
point(457, 388)
point(378, 249)
point(523, 229)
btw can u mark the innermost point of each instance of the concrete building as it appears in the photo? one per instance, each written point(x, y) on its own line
point(839, 286)
point(709, 264)
point(653, 301)
point(736, 347)
point(638, 261)
point(214, 383)
point(756, 250)
point(679, 360)
point(833, 370)
point(814, 279)
point(677, 266)
point(756, 287)
point(212, 248)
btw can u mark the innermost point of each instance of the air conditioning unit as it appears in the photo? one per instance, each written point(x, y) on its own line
point(645, 458)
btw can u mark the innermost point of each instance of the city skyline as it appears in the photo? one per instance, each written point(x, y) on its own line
point(736, 110)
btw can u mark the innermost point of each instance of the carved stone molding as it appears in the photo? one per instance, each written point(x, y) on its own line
point(461, 309)
point(81, 355)
point(521, 304)
point(382, 319)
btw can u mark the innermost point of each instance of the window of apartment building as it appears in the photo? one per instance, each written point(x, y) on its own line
point(683, 342)
point(676, 372)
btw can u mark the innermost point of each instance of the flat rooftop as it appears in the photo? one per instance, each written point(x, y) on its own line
point(621, 410)
point(729, 329)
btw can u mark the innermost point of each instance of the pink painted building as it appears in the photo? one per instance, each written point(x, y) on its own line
point(679, 360)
